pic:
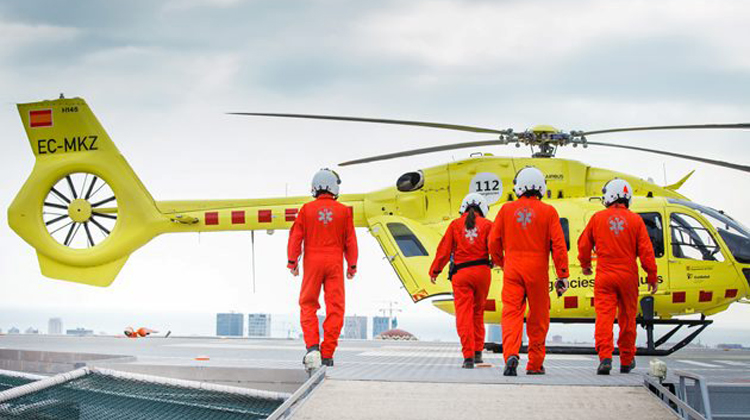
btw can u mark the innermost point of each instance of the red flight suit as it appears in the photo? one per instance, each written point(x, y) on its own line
point(327, 229)
point(524, 232)
point(470, 284)
point(619, 236)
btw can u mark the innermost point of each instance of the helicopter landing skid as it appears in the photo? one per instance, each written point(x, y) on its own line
point(652, 346)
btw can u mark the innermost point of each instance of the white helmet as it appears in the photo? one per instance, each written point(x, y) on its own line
point(475, 199)
point(616, 189)
point(325, 180)
point(529, 179)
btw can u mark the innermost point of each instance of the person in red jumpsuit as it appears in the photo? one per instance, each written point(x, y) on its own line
point(466, 243)
point(522, 236)
point(326, 228)
point(619, 236)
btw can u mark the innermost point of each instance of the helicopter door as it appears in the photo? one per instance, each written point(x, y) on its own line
point(405, 243)
point(698, 270)
point(654, 222)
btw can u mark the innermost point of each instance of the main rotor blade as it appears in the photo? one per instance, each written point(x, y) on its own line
point(422, 151)
point(742, 126)
point(661, 152)
point(376, 120)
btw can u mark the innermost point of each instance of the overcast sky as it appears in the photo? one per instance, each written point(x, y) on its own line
point(161, 74)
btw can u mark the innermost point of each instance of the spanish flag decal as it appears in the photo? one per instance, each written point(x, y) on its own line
point(40, 118)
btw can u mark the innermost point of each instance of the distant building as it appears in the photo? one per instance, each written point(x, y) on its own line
point(259, 325)
point(355, 327)
point(494, 333)
point(731, 346)
point(80, 332)
point(55, 326)
point(394, 323)
point(229, 325)
point(380, 324)
point(31, 330)
point(14, 330)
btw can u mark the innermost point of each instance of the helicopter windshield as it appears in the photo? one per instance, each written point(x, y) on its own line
point(734, 234)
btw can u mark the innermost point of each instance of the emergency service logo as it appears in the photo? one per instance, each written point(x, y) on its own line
point(524, 216)
point(616, 225)
point(325, 216)
point(471, 234)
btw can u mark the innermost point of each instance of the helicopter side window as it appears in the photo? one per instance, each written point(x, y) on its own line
point(691, 240)
point(566, 231)
point(735, 235)
point(655, 230)
point(407, 242)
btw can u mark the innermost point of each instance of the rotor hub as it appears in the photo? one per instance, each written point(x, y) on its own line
point(80, 210)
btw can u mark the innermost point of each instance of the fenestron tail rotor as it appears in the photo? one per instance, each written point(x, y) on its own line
point(80, 210)
point(543, 139)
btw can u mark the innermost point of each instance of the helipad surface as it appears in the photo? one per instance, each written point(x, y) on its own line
point(378, 360)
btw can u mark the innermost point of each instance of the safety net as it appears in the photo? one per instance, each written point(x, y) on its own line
point(91, 393)
point(11, 379)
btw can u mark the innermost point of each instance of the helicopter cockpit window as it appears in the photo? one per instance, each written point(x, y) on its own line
point(655, 231)
point(566, 231)
point(407, 242)
point(691, 240)
point(410, 181)
point(734, 234)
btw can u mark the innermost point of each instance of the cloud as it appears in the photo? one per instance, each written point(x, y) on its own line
point(533, 34)
point(16, 37)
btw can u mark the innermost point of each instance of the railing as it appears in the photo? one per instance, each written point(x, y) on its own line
point(679, 402)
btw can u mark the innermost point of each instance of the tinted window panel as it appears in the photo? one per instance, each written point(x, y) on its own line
point(407, 242)
point(566, 231)
point(655, 230)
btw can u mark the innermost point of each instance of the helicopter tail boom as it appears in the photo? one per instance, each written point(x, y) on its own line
point(83, 209)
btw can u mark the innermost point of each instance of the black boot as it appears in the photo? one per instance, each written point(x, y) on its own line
point(478, 357)
point(604, 367)
point(510, 366)
point(328, 361)
point(468, 363)
point(627, 368)
point(539, 371)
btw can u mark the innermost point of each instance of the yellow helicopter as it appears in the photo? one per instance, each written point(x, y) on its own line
point(85, 211)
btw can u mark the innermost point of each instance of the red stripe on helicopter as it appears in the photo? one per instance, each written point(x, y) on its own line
point(489, 305)
point(704, 296)
point(730, 293)
point(212, 218)
point(238, 217)
point(678, 297)
point(264, 216)
point(571, 302)
point(290, 215)
point(40, 118)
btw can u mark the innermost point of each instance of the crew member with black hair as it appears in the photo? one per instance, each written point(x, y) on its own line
point(326, 227)
point(524, 234)
point(465, 243)
point(619, 236)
